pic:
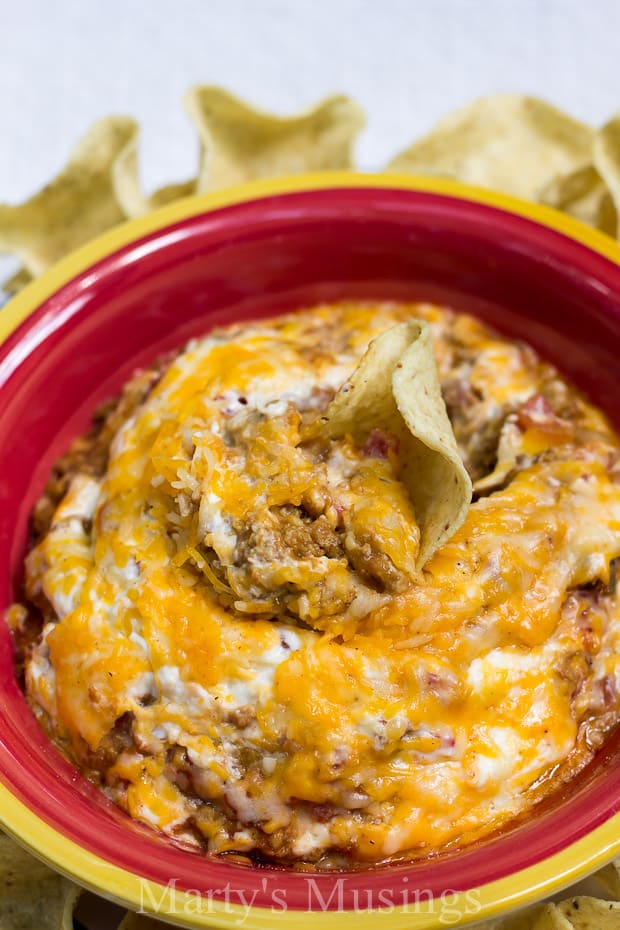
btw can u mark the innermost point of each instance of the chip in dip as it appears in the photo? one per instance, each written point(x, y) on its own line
point(261, 616)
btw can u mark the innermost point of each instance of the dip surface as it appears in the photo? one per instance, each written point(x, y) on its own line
point(225, 627)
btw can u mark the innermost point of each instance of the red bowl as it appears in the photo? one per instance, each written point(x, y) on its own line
point(74, 337)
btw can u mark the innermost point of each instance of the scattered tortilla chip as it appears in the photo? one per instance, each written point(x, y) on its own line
point(548, 917)
point(396, 387)
point(100, 186)
point(75, 207)
point(577, 913)
point(514, 144)
point(172, 192)
point(125, 186)
point(20, 279)
point(240, 143)
point(517, 145)
point(32, 895)
point(607, 161)
point(585, 913)
point(585, 196)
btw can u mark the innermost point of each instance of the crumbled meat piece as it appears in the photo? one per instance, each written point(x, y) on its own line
point(326, 538)
point(374, 565)
point(119, 739)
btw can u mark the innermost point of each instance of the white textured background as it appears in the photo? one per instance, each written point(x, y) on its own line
point(64, 63)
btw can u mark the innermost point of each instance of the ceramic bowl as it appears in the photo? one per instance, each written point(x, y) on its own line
point(74, 336)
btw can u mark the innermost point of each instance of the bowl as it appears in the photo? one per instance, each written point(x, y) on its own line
point(74, 336)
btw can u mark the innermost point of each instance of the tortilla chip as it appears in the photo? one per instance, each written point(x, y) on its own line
point(32, 895)
point(607, 161)
point(172, 192)
point(517, 145)
point(125, 186)
point(548, 917)
point(579, 913)
point(586, 913)
point(16, 282)
point(396, 387)
point(75, 207)
point(240, 143)
point(585, 196)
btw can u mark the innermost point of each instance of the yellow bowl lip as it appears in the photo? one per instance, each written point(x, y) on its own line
point(182, 908)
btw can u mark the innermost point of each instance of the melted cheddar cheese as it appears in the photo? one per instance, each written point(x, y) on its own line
point(237, 645)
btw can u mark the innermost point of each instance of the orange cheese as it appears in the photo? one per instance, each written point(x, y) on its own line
point(425, 717)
